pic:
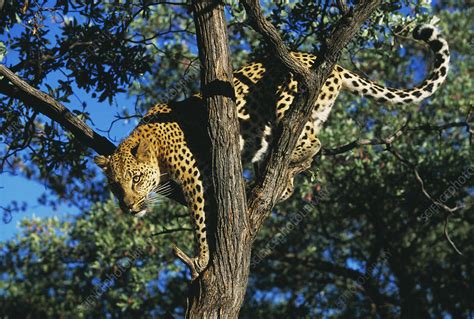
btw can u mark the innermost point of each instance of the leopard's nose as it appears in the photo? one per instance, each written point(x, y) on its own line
point(132, 209)
point(128, 203)
point(127, 208)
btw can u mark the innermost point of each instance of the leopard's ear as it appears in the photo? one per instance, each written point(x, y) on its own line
point(102, 161)
point(143, 152)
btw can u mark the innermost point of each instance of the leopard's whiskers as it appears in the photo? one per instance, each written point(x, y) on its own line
point(157, 194)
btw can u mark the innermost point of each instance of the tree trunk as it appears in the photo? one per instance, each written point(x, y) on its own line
point(412, 300)
point(219, 292)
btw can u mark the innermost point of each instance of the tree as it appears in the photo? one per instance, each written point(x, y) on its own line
point(383, 253)
point(265, 178)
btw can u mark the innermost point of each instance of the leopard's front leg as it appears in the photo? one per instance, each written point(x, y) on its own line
point(187, 175)
point(307, 147)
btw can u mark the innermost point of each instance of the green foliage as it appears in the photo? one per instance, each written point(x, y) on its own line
point(101, 262)
point(373, 245)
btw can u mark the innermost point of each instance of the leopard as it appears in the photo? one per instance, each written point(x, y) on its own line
point(171, 142)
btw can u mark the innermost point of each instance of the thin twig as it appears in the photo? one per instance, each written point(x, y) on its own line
point(169, 231)
point(374, 141)
point(427, 194)
point(388, 142)
point(342, 5)
point(446, 234)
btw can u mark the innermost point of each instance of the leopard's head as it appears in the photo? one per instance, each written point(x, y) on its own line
point(133, 174)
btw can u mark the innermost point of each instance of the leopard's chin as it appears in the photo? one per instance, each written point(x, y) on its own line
point(140, 213)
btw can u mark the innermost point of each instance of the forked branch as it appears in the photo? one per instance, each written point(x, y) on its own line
point(269, 187)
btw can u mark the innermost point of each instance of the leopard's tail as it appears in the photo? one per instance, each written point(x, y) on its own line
point(438, 45)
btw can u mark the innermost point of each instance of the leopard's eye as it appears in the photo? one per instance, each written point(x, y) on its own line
point(136, 178)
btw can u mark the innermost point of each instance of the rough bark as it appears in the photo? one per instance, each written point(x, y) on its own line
point(219, 291)
point(46, 105)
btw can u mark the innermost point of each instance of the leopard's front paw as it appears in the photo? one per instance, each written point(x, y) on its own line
point(199, 264)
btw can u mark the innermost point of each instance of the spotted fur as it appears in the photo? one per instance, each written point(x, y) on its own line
point(171, 141)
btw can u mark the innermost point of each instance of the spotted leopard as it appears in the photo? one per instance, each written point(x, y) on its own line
point(171, 141)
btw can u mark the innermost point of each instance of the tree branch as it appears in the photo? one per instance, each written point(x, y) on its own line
point(13, 86)
point(46, 105)
point(390, 140)
point(273, 180)
point(448, 209)
point(363, 142)
point(365, 280)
